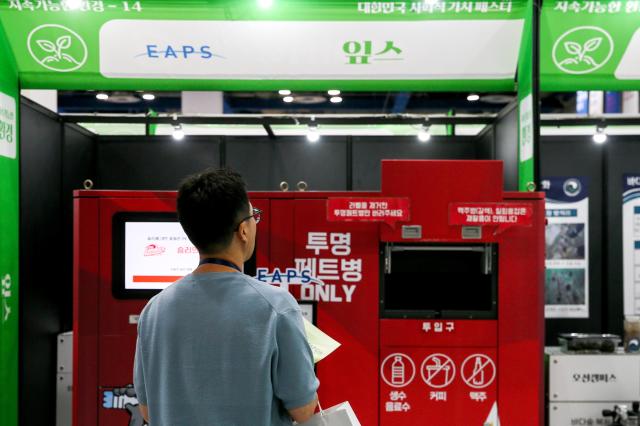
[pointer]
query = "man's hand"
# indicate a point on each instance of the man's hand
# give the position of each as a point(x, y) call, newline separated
point(137, 416)
point(304, 413)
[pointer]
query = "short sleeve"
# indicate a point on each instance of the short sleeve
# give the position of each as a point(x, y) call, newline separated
point(294, 380)
point(138, 374)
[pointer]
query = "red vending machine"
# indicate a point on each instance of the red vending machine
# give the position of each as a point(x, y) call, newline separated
point(433, 286)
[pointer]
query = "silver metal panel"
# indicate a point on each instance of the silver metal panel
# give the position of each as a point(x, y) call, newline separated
point(580, 413)
point(471, 232)
point(411, 232)
point(65, 352)
point(63, 399)
point(593, 378)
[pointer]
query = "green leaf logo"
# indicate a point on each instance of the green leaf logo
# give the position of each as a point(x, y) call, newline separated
point(582, 50)
point(57, 48)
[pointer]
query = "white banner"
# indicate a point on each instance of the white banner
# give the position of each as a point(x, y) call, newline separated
point(631, 243)
point(8, 124)
point(567, 248)
point(315, 50)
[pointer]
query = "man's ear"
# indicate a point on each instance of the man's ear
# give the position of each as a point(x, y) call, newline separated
point(243, 231)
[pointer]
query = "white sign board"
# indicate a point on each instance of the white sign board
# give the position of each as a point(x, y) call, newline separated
point(595, 378)
point(310, 50)
point(156, 255)
point(8, 124)
point(567, 248)
point(631, 243)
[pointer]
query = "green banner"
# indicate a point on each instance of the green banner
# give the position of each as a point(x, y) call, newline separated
point(590, 45)
point(526, 105)
point(241, 45)
point(9, 221)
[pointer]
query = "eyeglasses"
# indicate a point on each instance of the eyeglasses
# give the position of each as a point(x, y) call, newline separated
point(257, 215)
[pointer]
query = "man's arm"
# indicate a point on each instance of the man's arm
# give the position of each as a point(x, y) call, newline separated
point(144, 410)
point(294, 381)
point(304, 413)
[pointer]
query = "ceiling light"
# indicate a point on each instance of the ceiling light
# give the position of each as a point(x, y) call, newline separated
point(333, 92)
point(284, 92)
point(336, 100)
point(148, 96)
point(424, 135)
point(288, 99)
point(312, 132)
point(600, 136)
point(178, 133)
point(102, 96)
point(473, 97)
point(265, 4)
point(72, 4)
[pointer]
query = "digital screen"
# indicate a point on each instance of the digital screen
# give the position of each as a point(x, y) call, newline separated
point(156, 254)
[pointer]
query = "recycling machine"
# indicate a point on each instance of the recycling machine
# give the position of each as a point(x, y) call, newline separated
point(433, 286)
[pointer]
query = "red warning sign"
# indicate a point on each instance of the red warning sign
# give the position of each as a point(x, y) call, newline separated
point(438, 371)
point(478, 371)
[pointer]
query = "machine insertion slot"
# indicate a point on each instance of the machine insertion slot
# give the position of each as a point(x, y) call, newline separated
point(439, 281)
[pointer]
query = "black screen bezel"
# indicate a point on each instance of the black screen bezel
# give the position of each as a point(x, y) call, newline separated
point(118, 251)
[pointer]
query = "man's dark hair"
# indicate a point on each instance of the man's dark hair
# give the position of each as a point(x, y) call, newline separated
point(210, 206)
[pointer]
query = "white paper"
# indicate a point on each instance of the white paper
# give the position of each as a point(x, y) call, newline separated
point(338, 415)
point(321, 343)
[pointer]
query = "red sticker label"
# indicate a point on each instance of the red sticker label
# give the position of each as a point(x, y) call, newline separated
point(502, 215)
point(388, 210)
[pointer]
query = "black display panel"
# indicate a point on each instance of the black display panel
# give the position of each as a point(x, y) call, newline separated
point(437, 281)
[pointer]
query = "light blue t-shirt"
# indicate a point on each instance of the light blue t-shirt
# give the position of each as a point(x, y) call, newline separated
point(222, 349)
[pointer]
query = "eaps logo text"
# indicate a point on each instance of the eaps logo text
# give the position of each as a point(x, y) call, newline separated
point(179, 52)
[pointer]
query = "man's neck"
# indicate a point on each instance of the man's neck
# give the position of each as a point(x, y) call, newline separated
point(209, 267)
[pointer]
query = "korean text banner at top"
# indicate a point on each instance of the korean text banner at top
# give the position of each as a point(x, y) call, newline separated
point(265, 45)
point(590, 45)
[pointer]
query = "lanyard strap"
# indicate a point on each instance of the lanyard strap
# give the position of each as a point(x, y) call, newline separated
point(222, 262)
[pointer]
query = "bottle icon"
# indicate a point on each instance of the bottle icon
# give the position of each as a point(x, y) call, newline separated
point(478, 372)
point(397, 371)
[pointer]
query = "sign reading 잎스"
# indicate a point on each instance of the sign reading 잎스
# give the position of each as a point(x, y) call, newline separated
point(320, 50)
point(8, 125)
point(388, 210)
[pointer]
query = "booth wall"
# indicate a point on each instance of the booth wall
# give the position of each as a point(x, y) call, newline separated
point(55, 159)
point(621, 156)
point(9, 234)
point(506, 145)
point(368, 152)
point(336, 163)
point(604, 166)
point(265, 163)
point(153, 163)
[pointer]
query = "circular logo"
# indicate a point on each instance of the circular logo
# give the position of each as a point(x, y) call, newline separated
point(57, 48)
point(397, 370)
point(582, 50)
point(438, 371)
point(572, 187)
point(478, 371)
